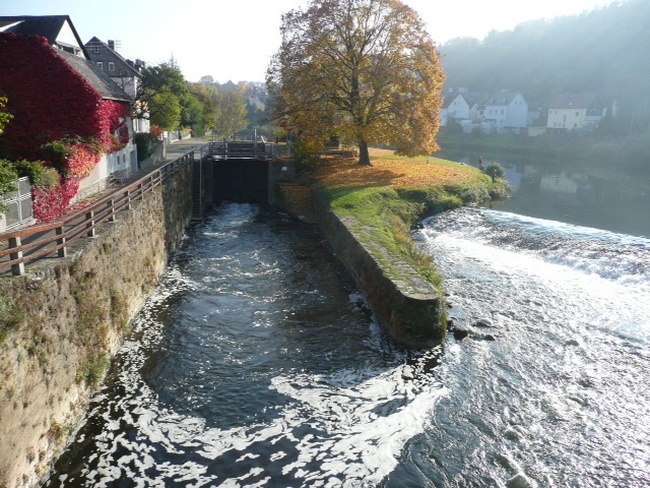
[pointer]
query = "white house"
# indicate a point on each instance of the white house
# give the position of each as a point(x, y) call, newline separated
point(457, 108)
point(62, 36)
point(506, 110)
point(574, 111)
point(463, 107)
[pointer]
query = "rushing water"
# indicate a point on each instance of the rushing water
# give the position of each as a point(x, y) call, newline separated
point(256, 363)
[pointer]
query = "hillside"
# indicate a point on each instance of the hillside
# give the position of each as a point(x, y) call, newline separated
point(604, 51)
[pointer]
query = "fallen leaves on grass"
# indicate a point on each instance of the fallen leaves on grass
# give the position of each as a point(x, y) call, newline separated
point(390, 170)
point(387, 170)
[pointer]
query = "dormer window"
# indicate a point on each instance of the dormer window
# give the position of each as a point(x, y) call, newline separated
point(111, 66)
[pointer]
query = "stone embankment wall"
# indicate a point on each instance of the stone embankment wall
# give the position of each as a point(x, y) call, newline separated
point(406, 305)
point(61, 323)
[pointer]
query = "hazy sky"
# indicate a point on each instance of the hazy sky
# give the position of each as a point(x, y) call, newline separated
point(234, 40)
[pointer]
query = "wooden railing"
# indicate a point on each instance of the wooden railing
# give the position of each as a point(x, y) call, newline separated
point(52, 240)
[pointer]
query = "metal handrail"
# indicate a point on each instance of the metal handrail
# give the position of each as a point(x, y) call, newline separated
point(55, 237)
point(242, 149)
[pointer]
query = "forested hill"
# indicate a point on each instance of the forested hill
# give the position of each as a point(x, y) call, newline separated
point(605, 51)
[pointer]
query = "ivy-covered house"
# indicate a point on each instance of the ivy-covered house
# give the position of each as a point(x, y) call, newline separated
point(65, 112)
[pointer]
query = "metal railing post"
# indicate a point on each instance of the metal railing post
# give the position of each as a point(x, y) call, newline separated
point(19, 268)
point(112, 218)
point(62, 252)
point(90, 223)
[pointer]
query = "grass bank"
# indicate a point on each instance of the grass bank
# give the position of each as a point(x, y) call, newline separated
point(389, 197)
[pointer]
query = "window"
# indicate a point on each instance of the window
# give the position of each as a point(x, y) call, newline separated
point(100, 65)
point(111, 66)
point(96, 48)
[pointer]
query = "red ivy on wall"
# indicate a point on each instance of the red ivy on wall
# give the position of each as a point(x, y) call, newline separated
point(115, 134)
point(50, 101)
point(81, 162)
point(51, 202)
point(47, 97)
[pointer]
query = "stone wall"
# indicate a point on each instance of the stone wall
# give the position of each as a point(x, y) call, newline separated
point(406, 305)
point(62, 322)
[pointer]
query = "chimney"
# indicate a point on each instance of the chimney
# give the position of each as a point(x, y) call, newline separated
point(111, 45)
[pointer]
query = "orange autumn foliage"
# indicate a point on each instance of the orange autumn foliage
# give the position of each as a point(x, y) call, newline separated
point(387, 170)
point(397, 172)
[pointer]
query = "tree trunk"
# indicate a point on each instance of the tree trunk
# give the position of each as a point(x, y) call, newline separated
point(364, 155)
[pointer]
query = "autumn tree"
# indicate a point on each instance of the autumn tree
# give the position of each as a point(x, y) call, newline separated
point(232, 113)
point(364, 70)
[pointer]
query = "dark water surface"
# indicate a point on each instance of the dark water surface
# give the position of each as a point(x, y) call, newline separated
point(603, 198)
point(256, 363)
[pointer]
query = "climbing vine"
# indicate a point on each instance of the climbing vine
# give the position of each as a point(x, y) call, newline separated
point(59, 118)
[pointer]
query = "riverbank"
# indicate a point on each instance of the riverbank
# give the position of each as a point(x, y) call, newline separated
point(379, 205)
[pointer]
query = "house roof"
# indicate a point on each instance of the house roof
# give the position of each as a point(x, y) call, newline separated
point(572, 101)
point(447, 100)
point(477, 98)
point(105, 54)
point(48, 26)
point(100, 81)
point(502, 98)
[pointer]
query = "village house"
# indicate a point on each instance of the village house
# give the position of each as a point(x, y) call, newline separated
point(505, 111)
point(462, 107)
point(125, 73)
point(574, 112)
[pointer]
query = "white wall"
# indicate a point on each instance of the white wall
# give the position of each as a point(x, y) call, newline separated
point(98, 179)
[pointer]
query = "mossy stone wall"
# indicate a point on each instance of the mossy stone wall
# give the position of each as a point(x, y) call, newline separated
point(407, 306)
point(62, 322)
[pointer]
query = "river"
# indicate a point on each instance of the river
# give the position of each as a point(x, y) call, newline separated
point(257, 363)
point(600, 197)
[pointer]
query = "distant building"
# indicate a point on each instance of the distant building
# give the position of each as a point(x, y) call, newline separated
point(581, 111)
point(126, 73)
point(456, 108)
point(505, 111)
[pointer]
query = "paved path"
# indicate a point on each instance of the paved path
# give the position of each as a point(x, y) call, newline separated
point(177, 148)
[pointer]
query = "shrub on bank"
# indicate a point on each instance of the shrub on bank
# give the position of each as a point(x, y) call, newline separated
point(8, 177)
point(146, 144)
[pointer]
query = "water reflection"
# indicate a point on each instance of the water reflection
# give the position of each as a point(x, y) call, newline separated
point(593, 197)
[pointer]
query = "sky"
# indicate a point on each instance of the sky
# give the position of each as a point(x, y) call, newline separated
point(234, 40)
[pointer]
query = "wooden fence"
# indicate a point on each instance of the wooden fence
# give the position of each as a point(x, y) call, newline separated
point(52, 240)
